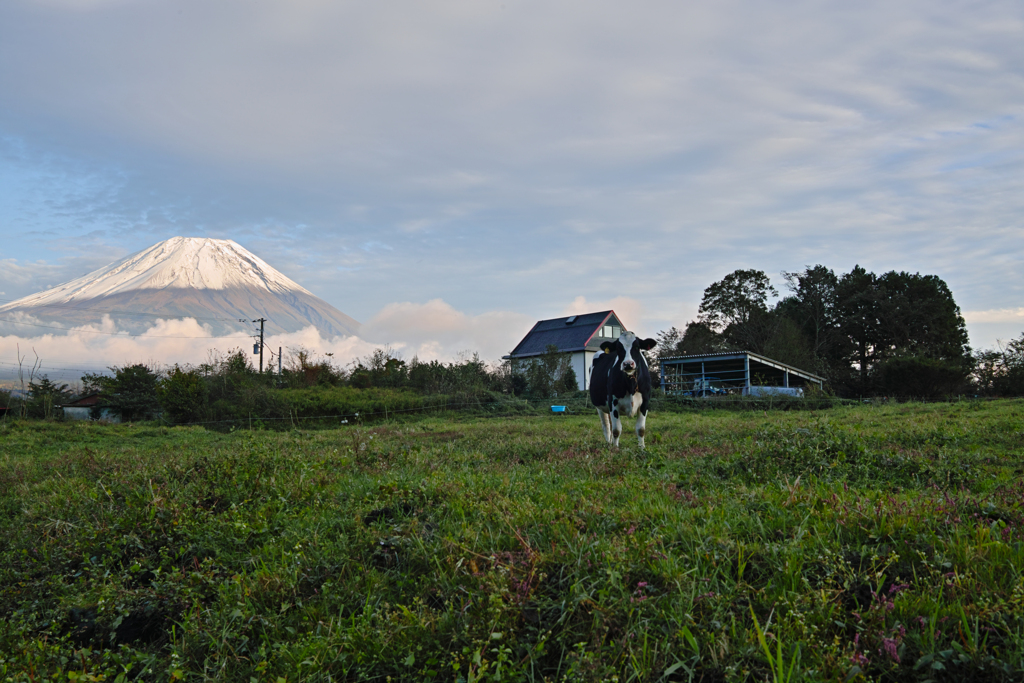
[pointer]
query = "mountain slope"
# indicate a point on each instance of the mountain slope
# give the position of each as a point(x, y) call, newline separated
point(215, 281)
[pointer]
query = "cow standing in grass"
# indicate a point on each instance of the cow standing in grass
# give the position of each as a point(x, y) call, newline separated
point(620, 384)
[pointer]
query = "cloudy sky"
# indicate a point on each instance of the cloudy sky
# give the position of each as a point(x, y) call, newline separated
point(497, 162)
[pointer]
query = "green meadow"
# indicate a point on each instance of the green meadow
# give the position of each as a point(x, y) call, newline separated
point(853, 543)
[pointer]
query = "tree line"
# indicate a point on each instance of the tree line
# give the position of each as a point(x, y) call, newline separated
point(896, 334)
point(230, 388)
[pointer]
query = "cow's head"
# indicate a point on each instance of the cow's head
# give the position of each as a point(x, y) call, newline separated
point(627, 351)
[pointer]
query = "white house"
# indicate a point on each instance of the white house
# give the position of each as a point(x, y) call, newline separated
point(580, 336)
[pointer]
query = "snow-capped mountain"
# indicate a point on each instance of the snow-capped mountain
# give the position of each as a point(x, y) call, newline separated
point(215, 281)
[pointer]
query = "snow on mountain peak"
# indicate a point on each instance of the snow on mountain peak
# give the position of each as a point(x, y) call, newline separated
point(177, 263)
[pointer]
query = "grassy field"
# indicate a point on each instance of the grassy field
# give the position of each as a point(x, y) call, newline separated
point(858, 543)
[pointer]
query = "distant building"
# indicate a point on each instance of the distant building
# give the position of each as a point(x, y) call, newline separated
point(88, 408)
point(734, 372)
point(579, 336)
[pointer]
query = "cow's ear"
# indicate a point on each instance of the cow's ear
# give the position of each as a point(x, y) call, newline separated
point(648, 344)
point(607, 347)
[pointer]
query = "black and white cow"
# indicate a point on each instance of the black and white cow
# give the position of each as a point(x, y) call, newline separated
point(620, 384)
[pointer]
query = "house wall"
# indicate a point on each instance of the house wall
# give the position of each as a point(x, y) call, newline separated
point(86, 414)
point(581, 364)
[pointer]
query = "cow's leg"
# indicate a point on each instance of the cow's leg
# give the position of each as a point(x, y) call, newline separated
point(641, 427)
point(606, 425)
point(616, 425)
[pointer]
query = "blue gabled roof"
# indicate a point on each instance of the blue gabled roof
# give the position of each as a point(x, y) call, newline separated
point(578, 335)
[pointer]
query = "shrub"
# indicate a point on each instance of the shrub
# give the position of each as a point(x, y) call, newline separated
point(183, 395)
point(920, 377)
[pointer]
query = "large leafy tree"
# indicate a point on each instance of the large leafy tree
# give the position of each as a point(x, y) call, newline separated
point(735, 300)
point(133, 392)
point(736, 309)
point(812, 306)
point(858, 305)
point(902, 316)
point(920, 318)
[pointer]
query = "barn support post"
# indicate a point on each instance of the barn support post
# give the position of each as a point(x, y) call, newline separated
point(746, 372)
point(785, 378)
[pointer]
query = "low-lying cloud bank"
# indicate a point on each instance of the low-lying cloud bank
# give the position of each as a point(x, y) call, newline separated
point(996, 315)
point(430, 331)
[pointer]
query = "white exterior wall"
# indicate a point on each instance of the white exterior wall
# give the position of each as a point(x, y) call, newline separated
point(581, 362)
point(86, 414)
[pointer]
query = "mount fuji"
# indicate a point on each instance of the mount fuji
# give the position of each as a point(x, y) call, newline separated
point(217, 282)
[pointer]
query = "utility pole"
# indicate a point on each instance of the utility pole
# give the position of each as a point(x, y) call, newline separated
point(261, 321)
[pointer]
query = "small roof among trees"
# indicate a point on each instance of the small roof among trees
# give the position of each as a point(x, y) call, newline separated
point(572, 333)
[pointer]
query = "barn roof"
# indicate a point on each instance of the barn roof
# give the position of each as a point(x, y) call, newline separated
point(732, 367)
point(87, 401)
point(572, 333)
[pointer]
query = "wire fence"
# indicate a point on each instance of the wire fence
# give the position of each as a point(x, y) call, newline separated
point(578, 405)
point(543, 408)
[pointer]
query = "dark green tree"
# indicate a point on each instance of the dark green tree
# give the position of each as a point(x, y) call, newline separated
point(95, 383)
point(859, 302)
point(546, 374)
point(901, 316)
point(133, 392)
point(568, 382)
point(668, 342)
point(784, 341)
point(735, 299)
point(699, 338)
point(920, 318)
point(183, 395)
point(737, 309)
point(813, 307)
point(44, 396)
point(1000, 372)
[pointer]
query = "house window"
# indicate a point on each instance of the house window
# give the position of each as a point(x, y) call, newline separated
point(607, 331)
point(616, 332)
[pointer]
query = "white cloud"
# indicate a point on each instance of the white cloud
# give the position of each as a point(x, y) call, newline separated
point(998, 315)
point(437, 331)
point(430, 331)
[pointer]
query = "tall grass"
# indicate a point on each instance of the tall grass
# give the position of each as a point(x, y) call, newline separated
point(856, 543)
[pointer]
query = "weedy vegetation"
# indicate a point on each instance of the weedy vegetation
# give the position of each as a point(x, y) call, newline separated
point(854, 543)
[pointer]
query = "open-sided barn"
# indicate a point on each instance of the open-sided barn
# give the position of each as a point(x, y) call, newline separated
point(733, 372)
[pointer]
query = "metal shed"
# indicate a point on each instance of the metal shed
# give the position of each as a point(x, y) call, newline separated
point(731, 372)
